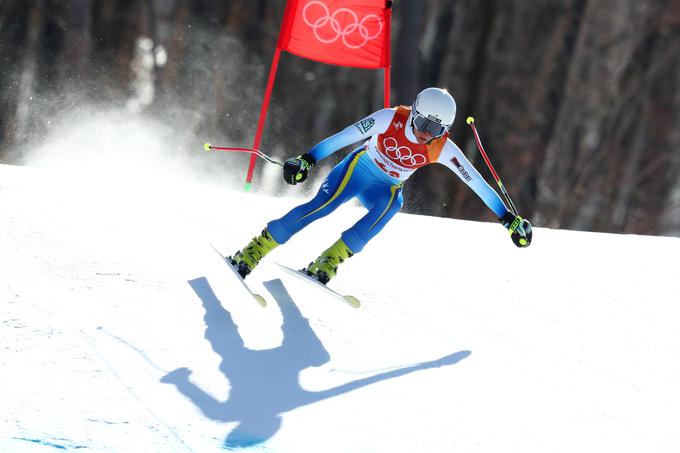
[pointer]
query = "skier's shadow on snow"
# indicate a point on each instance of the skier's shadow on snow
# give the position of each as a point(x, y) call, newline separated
point(265, 384)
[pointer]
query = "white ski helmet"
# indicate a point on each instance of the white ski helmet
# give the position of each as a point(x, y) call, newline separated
point(433, 111)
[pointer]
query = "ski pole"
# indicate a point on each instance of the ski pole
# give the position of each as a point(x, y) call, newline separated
point(257, 152)
point(471, 122)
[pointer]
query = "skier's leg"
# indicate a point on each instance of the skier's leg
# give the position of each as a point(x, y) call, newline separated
point(383, 202)
point(342, 184)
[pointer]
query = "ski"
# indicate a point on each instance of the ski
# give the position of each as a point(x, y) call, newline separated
point(259, 299)
point(351, 300)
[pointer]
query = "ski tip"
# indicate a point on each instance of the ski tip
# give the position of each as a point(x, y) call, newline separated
point(260, 300)
point(353, 301)
point(248, 186)
point(207, 147)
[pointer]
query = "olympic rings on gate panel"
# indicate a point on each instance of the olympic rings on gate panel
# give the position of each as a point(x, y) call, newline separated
point(402, 154)
point(338, 32)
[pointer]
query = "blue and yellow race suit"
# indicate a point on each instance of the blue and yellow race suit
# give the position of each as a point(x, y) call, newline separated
point(375, 173)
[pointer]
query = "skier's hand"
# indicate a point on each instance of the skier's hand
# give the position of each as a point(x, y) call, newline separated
point(295, 169)
point(519, 228)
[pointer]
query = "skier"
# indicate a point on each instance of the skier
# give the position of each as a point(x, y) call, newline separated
point(397, 141)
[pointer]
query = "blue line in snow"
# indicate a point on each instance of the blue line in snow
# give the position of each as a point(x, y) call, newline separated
point(50, 444)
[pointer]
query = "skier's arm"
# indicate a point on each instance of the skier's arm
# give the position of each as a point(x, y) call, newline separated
point(295, 169)
point(455, 160)
point(520, 229)
point(375, 123)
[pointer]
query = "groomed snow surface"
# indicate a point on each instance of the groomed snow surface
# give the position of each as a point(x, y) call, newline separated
point(121, 330)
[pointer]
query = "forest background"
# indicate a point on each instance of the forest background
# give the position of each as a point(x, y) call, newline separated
point(577, 101)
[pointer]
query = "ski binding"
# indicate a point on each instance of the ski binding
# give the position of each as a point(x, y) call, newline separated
point(259, 299)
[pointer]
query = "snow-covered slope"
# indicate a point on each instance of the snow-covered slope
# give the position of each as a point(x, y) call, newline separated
point(122, 331)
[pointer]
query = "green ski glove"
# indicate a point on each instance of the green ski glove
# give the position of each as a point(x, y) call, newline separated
point(519, 228)
point(295, 169)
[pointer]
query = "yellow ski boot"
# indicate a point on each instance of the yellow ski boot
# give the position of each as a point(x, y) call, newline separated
point(247, 259)
point(326, 266)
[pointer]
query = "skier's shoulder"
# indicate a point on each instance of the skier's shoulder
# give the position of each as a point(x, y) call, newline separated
point(402, 110)
point(449, 152)
point(376, 122)
point(387, 112)
point(449, 147)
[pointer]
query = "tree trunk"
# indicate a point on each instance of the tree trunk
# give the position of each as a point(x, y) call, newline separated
point(604, 122)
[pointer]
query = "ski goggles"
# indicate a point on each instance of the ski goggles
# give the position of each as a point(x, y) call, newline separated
point(424, 124)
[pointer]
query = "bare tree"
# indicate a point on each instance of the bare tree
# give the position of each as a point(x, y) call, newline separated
point(577, 101)
point(602, 131)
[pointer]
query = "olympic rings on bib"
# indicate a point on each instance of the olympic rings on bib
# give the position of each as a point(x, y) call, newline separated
point(402, 154)
point(355, 26)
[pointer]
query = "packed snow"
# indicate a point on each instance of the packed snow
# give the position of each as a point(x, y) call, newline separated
point(123, 331)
